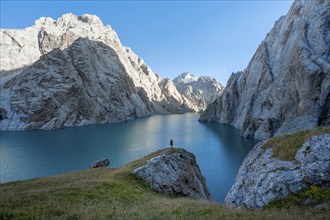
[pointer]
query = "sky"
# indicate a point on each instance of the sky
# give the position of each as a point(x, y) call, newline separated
point(213, 38)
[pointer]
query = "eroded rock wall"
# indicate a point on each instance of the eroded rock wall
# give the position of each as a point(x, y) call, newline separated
point(286, 85)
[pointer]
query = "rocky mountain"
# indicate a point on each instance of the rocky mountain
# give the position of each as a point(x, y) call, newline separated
point(174, 96)
point(74, 71)
point(200, 91)
point(286, 85)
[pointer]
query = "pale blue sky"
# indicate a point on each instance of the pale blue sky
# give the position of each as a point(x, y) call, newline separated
point(202, 37)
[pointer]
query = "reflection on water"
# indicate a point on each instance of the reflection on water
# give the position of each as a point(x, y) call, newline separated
point(219, 149)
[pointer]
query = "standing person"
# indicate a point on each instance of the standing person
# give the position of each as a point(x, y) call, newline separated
point(171, 143)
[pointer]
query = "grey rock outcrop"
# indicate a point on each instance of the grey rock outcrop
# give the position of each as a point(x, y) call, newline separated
point(175, 173)
point(286, 85)
point(200, 91)
point(314, 158)
point(263, 178)
point(74, 71)
point(100, 163)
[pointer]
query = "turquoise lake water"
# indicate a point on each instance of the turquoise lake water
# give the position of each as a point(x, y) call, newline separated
point(219, 149)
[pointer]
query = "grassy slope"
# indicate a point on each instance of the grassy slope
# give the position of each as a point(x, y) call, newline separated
point(285, 147)
point(116, 193)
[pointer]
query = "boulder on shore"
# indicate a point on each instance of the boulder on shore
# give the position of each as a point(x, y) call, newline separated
point(175, 173)
point(100, 163)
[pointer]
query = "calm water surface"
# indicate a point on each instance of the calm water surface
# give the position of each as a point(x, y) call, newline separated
point(219, 149)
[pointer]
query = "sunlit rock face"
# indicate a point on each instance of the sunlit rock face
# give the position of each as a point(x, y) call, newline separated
point(286, 85)
point(200, 91)
point(174, 98)
point(74, 71)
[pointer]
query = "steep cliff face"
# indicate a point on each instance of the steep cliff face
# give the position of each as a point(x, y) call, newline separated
point(82, 84)
point(200, 91)
point(286, 85)
point(74, 71)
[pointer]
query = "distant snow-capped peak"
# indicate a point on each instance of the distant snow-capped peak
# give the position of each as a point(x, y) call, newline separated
point(185, 77)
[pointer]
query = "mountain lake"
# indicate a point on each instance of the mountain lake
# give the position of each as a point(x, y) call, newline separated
point(219, 149)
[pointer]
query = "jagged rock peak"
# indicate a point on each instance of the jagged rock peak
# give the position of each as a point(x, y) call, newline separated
point(26, 45)
point(200, 91)
point(69, 18)
point(286, 85)
point(185, 77)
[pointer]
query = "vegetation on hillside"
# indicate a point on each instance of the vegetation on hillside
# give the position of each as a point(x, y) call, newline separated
point(312, 196)
point(285, 147)
point(105, 193)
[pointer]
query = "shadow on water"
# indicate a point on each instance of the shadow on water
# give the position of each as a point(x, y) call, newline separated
point(232, 149)
point(230, 138)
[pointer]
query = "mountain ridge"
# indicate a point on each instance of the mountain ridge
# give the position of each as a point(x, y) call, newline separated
point(201, 90)
point(74, 71)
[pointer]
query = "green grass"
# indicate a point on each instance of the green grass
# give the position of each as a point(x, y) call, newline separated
point(105, 193)
point(285, 147)
point(314, 195)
